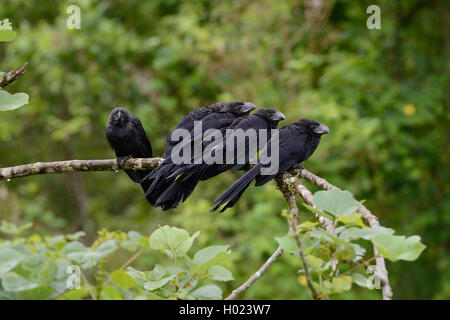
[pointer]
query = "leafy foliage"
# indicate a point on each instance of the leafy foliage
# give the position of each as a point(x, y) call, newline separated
point(338, 261)
point(383, 94)
point(39, 268)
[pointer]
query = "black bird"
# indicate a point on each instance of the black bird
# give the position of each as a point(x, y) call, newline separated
point(127, 137)
point(191, 174)
point(297, 142)
point(216, 116)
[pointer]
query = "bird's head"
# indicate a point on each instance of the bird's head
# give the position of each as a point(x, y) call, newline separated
point(270, 115)
point(312, 127)
point(119, 116)
point(239, 108)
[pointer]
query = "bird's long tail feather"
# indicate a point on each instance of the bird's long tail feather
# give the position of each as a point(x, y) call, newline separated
point(234, 192)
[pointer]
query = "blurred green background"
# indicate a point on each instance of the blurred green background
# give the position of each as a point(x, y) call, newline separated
point(383, 93)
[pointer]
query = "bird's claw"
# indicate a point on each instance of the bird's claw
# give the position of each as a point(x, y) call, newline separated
point(121, 161)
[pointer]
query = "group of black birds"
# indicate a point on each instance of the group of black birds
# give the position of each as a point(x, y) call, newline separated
point(171, 182)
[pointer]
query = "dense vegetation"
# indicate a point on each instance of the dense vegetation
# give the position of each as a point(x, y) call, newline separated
point(383, 93)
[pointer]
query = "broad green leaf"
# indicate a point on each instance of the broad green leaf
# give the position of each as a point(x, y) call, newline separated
point(288, 244)
point(315, 262)
point(122, 279)
point(39, 293)
point(398, 247)
point(208, 253)
point(106, 248)
point(186, 245)
point(14, 282)
point(352, 219)
point(34, 263)
point(10, 101)
point(360, 279)
point(76, 236)
point(74, 246)
point(307, 225)
point(9, 259)
point(85, 259)
point(220, 273)
point(170, 238)
point(153, 285)
point(208, 264)
point(12, 229)
point(336, 202)
point(111, 293)
point(7, 35)
point(342, 283)
point(76, 294)
point(352, 233)
point(138, 276)
point(319, 212)
point(157, 273)
point(207, 292)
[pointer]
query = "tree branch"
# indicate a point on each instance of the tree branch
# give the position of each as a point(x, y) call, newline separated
point(288, 179)
point(76, 165)
point(11, 76)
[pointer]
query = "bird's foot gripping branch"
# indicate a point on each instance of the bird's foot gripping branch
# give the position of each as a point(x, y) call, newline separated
point(330, 246)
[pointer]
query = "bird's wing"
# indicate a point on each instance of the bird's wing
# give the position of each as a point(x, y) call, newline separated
point(144, 146)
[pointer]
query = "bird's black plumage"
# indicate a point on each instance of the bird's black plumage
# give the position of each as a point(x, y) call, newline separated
point(216, 116)
point(127, 138)
point(189, 175)
point(297, 142)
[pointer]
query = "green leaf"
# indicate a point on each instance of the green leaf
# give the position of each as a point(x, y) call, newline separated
point(186, 245)
point(207, 292)
point(208, 253)
point(288, 244)
point(153, 285)
point(398, 247)
point(9, 259)
point(76, 294)
point(157, 273)
point(352, 219)
point(319, 212)
point(7, 35)
point(122, 279)
point(208, 264)
point(111, 293)
point(10, 101)
point(336, 202)
point(342, 283)
point(76, 236)
point(173, 239)
point(39, 293)
point(360, 279)
point(138, 276)
point(220, 273)
point(316, 263)
point(14, 282)
point(106, 248)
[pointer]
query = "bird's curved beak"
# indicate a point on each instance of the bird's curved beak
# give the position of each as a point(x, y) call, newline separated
point(322, 129)
point(247, 107)
point(278, 116)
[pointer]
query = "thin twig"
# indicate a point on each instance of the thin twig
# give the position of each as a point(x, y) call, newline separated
point(11, 76)
point(256, 275)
